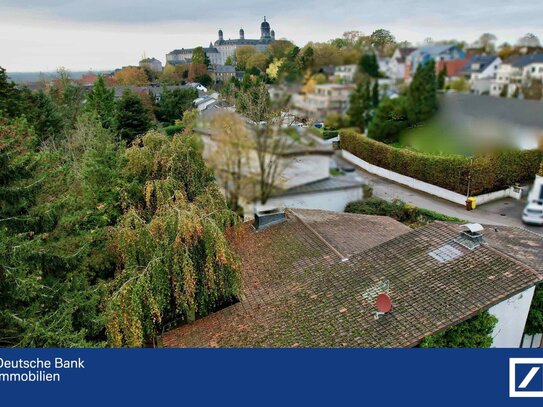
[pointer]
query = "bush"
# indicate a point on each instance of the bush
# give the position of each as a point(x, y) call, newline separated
point(328, 134)
point(488, 173)
point(476, 332)
point(534, 323)
point(391, 118)
point(398, 210)
point(172, 130)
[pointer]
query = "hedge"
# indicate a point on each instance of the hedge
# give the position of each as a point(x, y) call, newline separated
point(328, 134)
point(174, 129)
point(489, 173)
point(399, 210)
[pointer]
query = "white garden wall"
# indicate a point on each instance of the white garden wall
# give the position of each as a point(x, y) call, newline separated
point(426, 187)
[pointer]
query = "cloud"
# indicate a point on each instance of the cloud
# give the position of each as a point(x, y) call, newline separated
point(43, 34)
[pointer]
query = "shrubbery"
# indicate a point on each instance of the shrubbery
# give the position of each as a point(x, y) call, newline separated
point(398, 210)
point(175, 129)
point(488, 173)
point(476, 332)
point(327, 134)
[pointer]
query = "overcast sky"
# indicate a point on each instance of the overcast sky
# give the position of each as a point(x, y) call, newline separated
point(41, 35)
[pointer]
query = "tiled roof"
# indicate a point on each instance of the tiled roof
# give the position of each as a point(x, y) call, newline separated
point(404, 53)
point(298, 292)
point(522, 60)
point(225, 69)
point(478, 63)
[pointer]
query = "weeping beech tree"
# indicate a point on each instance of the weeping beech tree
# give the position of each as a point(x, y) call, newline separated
point(173, 259)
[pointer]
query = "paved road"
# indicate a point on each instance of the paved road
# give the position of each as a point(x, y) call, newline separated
point(503, 212)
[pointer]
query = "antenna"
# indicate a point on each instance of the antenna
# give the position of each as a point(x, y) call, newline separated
point(384, 305)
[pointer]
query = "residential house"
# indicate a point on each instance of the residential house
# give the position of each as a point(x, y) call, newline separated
point(481, 70)
point(222, 73)
point(345, 73)
point(328, 97)
point(151, 63)
point(452, 67)
point(425, 54)
point(515, 73)
point(303, 177)
point(312, 278)
point(396, 65)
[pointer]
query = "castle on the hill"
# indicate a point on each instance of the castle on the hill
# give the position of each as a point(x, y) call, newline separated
point(221, 49)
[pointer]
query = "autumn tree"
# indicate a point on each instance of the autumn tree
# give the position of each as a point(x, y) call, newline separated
point(174, 260)
point(268, 140)
point(196, 71)
point(487, 42)
point(280, 48)
point(174, 74)
point(231, 156)
point(383, 41)
point(200, 57)
point(243, 54)
point(131, 76)
point(326, 55)
point(258, 60)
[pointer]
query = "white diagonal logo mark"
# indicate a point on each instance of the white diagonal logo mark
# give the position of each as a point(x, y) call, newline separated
point(533, 371)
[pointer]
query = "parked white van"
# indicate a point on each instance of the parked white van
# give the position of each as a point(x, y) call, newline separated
point(533, 212)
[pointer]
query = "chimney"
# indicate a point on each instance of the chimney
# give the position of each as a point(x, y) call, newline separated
point(263, 219)
point(471, 236)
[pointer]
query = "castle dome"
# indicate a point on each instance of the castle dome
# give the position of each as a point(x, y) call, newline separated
point(265, 24)
point(265, 30)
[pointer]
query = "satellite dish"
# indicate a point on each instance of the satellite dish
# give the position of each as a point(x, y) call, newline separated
point(384, 303)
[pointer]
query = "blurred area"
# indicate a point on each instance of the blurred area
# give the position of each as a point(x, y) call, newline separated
point(470, 124)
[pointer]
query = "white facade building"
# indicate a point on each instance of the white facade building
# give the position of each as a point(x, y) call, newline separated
point(511, 314)
point(346, 73)
point(516, 72)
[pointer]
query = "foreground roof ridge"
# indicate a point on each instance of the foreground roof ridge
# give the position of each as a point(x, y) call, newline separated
point(318, 235)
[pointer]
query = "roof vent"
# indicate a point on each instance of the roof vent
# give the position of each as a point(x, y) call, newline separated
point(263, 219)
point(472, 236)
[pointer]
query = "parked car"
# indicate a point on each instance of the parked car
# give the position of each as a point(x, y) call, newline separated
point(533, 214)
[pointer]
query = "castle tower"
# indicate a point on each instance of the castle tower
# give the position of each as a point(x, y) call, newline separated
point(241, 34)
point(220, 35)
point(273, 35)
point(265, 30)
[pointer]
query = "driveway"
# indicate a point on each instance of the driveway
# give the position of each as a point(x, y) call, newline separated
point(505, 212)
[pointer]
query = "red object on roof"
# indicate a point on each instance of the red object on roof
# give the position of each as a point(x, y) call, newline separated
point(384, 303)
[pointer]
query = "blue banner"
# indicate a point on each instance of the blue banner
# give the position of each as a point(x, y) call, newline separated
point(220, 377)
